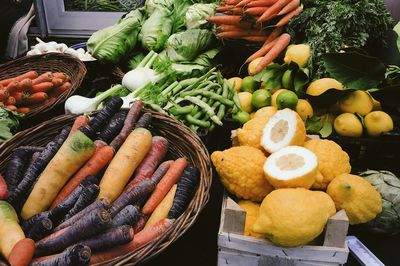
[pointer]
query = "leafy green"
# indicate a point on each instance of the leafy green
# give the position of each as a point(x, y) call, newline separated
point(185, 46)
point(8, 123)
point(397, 30)
point(315, 125)
point(197, 15)
point(136, 59)
point(156, 29)
point(152, 5)
point(112, 43)
point(180, 9)
point(330, 25)
point(354, 70)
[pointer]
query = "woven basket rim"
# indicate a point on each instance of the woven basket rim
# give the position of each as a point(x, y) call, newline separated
point(42, 63)
point(180, 225)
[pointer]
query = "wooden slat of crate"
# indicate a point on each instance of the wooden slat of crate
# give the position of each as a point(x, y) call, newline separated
point(235, 247)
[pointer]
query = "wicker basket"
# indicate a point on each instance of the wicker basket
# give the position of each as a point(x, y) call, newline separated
point(54, 62)
point(182, 142)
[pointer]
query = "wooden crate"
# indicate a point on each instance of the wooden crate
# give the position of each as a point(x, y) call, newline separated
point(235, 249)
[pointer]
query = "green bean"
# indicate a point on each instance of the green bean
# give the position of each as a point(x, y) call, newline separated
point(169, 88)
point(225, 92)
point(197, 122)
point(218, 98)
point(201, 79)
point(221, 111)
point(157, 108)
point(206, 107)
point(178, 110)
point(186, 82)
point(193, 127)
point(212, 77)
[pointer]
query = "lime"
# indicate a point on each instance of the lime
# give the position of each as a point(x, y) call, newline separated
point(261, 98)
point(286, 99)
point(287, 79)
point(241, 116)
point(274, 96)
point(249, 84)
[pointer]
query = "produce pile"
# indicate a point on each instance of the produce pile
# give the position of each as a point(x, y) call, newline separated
point(98, 190)
point(298, 180)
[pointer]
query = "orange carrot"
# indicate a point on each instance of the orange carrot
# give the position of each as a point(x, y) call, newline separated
point(80, 121)
point(238, 34)
point(23, 110)
point(45, 77)
point(19, 97)
point(11, 107)
point(223, 9)
point(25, 84)
point(10, 101)
point(165, 184)
point(60, 75)
point(13, 86)
point(140, 239)
point(36, 98)
point(228, 28)
point(228, 20)
point(273, 10)
point(285, 20)
point(235, 11)
point(281, 43)
point(261, 52)
point(27, 75)
point(259, 39)
point(22, 253)
point(42, 87)
point(243, 3)
point(4, 95)
point(292, 5)
point(57, 82)
point(256, 11)
point(61, 89)
point(3, 188)
point(98, 160)
point(230, 2)
point(274, 34)
point(261, 3)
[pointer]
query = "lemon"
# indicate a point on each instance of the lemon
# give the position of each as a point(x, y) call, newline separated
point(357, 102)
point(299, 53)
point(251, 69)
point(287, 79)
point(245, 101)
point(252, 210)
point(304, 109)
point(319, 86)
point(293, 217)
point(236, 82)
point(249, 84)
point(292, 166)
point(261, 98)
point(378, 122)
point(348, 125)
point(268, 111)
point(275, 95)
point(284, 128)
point(377, 105)
point(241, 117)
point(286, 99)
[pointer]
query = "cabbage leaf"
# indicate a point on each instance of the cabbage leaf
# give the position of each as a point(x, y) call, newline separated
point(197, 15)
point(152, 5)
point(112, 43)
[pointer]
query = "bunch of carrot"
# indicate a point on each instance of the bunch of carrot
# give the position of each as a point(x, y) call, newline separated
point(21, 92)
point(122, 196)
point(252, 20)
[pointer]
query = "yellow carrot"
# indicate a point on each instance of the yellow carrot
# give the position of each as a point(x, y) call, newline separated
point(124, 163)
point(162, 210)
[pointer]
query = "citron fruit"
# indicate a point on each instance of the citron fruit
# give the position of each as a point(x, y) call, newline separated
point(249, 84)
point(286, 99)
point(291, 167)
point(357, 102)
point(348, 125)
point(267, 111)
point(299, 53)
point(236, 82)
point(285, 128)
point(261, 98)
point(304, 109)
point(251, 69)
point(241, 172)
point(332, 161)
point(251, 132)
point(252, 209)
point(293, 217)
point(356, 196)
point(319, 86)
point(245, 101)
point(274, 96)
point(378, 122)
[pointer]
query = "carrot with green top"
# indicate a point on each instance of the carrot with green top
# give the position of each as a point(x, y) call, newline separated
point(165, 184)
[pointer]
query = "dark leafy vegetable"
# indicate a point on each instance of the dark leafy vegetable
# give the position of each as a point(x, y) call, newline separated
point(8, 123)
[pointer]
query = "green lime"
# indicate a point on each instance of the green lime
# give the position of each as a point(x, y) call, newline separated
point(261, 98)
point(287, 99)
point(287, 79)
point(241, 116)
point(249, 84)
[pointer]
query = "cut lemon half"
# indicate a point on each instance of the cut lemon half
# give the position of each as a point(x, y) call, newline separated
point(291, 167)
point(285, 128)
